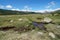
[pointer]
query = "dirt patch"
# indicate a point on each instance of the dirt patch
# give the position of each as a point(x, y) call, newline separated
point(7, 28)
point(23, 29)
point(39, 25)
point(19, 29)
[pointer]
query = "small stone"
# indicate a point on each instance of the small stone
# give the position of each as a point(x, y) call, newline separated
point(58, 26)
point(32, 30)
point(11, 21)
point(51, 34)
point(40, 33)
point(27, 25)
point(20, 19)
point(47, 19)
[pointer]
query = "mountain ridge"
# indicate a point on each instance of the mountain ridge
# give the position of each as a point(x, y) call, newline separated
point(11, 12)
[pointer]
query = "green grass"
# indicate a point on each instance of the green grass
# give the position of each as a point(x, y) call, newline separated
point(32, 35)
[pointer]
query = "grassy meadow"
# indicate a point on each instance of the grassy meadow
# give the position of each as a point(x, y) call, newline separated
point(33, 34)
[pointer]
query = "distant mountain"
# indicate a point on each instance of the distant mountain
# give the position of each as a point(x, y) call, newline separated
point(10, 12)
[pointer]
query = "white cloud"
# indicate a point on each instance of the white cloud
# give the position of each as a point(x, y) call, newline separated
point(50, 4)
point(8, 6)
point(42, 11)
point(29, 9)
point(47, 10)
point(26, 8)
point(1, 6)
point(16, 9)
point(57, 9)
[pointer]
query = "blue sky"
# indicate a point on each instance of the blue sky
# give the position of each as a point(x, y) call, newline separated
point(30, 5)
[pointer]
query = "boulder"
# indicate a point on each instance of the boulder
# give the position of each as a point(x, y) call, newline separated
point(47, 19)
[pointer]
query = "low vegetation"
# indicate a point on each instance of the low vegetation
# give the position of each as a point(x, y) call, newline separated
point(29, 26)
